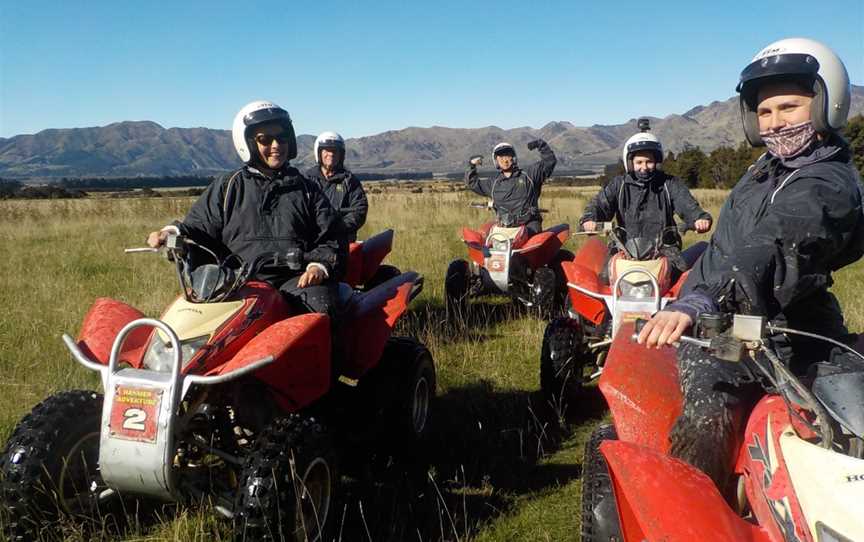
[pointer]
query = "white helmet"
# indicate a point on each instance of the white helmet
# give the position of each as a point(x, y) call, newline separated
point(643, 141)
point(329, 140)
point(254, 114)
point(502, 148)
point(804, 59)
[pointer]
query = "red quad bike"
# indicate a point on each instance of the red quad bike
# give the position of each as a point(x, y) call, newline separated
point(507, 261)
point(639, 284)
point(229, 397)
point(800, 464)
point(364, 262)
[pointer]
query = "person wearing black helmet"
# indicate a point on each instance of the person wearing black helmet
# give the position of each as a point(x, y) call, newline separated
point(791, 221)
point(341, 187)
point(515, 192)
point(268, 207)
point(645, 200)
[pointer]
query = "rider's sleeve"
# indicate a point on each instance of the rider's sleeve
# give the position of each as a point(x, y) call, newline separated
point(811, 229)
point(327, 248)
point(355, 216)
point(205, 219)
point(477, 184)
point(602, 206)
point(541, 170)
point(685, 204)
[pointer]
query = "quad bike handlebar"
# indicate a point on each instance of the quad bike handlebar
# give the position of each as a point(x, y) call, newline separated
point(216, 281)
point(749, 336)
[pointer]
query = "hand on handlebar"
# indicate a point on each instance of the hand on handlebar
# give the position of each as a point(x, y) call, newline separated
point(589, 225)
point(664, 328)
point(157, 239)
point(702, 225)
point(313, 276)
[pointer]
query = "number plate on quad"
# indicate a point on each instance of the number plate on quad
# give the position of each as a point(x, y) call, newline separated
point(497, 263)
point(134, 413)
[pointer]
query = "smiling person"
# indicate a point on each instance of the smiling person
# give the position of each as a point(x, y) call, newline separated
point(515, 192)
point(792, 220)
point(267, 206)
point(341, 187)
point(645, 200)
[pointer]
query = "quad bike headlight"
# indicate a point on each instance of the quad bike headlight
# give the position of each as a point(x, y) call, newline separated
point(639, 290)
point(160, 355)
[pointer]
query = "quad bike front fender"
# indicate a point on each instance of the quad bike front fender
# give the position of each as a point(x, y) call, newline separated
point(580, 280)
point(300, 347)
point(370, 320)
point(475, 241)
point(641, 387)
point(662, 498)
point(101, 325)
point(365, 257)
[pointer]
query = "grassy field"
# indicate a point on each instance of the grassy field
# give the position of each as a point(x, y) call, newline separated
point(501, 471)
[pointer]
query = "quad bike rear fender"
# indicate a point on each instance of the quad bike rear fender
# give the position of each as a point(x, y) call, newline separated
point(365, 257)
point(662, 498)
point(641, 387)
point(369, 322)
point(300, 348)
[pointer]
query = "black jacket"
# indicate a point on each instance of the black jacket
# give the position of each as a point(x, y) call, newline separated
point(248, 214)
point(516, 198)
point(644, 209)
point(783, 230)
point(347, 197)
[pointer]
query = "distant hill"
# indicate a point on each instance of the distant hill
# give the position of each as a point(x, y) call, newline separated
point(146, 148)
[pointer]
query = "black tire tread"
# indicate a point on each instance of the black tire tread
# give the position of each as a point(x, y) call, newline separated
point(596, 487)
point(257, 513)
point(456, 291)
point(37, 441)
point(562, 358)
point(405, 355)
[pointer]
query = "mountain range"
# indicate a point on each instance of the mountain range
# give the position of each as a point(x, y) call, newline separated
point(133, 148)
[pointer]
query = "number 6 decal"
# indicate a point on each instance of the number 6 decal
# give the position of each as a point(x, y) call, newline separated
point(134, 419)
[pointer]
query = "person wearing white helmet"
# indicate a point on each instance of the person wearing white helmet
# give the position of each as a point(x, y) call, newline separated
point(341, 187)
point(791, 221)
point(267, 207)
point(645, 200)
point(515, 192)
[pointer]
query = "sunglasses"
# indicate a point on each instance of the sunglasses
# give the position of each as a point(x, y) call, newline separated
point(266, 139)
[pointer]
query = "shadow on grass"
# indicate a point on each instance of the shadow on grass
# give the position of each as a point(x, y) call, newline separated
point(430, 318)
point(482, 454)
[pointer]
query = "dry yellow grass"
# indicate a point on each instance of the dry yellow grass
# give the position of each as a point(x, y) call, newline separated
point(60, 255)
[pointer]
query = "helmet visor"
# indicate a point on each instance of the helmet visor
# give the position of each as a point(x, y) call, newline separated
point(637, 146)
point(801, 65)
point(269, 114)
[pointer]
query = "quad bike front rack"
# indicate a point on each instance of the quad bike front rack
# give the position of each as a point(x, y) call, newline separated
point(136, 444)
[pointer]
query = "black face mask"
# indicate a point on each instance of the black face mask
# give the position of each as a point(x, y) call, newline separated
point(644, 176)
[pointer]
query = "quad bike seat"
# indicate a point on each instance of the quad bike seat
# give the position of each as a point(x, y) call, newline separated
point(517, 236)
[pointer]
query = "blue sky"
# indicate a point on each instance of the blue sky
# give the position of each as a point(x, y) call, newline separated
point(364, 67)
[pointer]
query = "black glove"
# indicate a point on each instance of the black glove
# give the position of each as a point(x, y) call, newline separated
point(536, 144)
